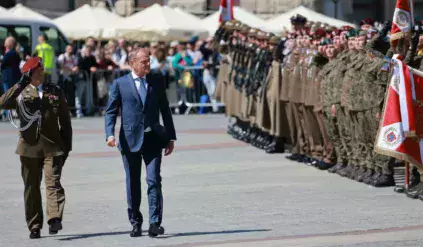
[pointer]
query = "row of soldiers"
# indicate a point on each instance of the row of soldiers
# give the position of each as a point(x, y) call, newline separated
point(319, 90)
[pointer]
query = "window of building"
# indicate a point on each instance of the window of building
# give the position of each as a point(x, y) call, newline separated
point(55, 39)
point(22, 35)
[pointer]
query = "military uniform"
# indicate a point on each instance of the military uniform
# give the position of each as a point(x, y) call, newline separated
point(44, 142)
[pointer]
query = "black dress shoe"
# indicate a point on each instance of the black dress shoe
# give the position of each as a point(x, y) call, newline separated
point(337, 167)
point(136, 231)
point(324, 166)
point(161, 230)
point(293, 157)
point(55, 225)
point(35, 233)
point(154, 230)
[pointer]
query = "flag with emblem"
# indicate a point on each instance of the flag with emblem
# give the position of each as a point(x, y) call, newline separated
point(226, 10)
point(401, 125)
point(403, 20)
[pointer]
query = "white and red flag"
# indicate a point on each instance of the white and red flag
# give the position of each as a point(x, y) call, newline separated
point(226, 10)
point(401, 126)
point(403, 20)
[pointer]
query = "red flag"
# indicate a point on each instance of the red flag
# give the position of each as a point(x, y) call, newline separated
point(226, 10)
point(401, 128)
point(403, 20)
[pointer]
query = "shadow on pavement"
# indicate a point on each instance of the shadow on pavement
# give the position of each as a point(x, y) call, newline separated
point(184, 234)
point(188, 234)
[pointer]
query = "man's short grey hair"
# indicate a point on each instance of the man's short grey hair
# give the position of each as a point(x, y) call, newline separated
point(133, 54)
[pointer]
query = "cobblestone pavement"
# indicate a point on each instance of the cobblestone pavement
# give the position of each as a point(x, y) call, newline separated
point(218, 192)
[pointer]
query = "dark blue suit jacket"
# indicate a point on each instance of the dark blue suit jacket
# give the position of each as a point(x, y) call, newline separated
point(10, 72)
point(135, 116)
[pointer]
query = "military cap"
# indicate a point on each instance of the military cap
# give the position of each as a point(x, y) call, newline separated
point(298, 19)
point(229, 25)
point(32, 64)
point(351, 33)
point(245, 29)
point(284, 34)
point(252, 32)
point(368, 21)
point(313, 29)
point(347, 28)
point(362, 33)
point(319, 33)
point(264, 35)
point(274, 40)
point(238, 26)
point(329, 29)
point(336, 32)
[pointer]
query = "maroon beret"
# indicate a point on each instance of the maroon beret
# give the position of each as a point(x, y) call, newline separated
point(31, 64)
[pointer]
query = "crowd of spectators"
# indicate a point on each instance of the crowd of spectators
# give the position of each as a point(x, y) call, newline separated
point(79, 62)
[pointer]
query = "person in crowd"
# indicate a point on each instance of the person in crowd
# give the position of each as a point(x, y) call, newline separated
point(105, 61)
point(68, 63)
point(158, 64)
point(210, 63)
point(140, 96)
point(46, 52)
point(10, 72)
point(87, 64)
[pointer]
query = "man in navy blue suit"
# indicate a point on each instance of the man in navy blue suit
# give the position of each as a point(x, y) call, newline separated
point(141, 97)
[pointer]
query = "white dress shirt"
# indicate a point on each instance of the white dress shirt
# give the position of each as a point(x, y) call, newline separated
point(40, 90)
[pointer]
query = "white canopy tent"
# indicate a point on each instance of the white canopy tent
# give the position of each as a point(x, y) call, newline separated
point(187, 14)
point(281, 22)
point(211, 22)
point(157, 23)
point(86, 21)
point(25, 12)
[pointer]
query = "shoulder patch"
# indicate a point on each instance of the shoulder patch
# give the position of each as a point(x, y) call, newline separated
point(385, 67)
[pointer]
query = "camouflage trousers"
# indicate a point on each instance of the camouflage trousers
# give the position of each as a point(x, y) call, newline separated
point(332, 128)
point(376, 160)
point(328, 154)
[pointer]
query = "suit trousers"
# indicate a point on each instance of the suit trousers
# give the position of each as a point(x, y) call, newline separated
point(32, 173)
point(151, 153)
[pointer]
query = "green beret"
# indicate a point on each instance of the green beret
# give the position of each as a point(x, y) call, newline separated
point(351, 33)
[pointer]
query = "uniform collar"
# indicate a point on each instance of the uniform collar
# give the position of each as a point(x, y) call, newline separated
point(40, 87)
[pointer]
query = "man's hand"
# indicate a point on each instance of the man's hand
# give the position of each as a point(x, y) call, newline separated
point(169, 149)
point(93, 69)
point(111, 141)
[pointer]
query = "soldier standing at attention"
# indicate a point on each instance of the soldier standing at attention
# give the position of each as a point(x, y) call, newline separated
point(45, 140)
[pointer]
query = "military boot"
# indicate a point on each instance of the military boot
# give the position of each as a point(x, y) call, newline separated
point(362, 174)
point(376, 174)
point(384, 180)
point(415, 191)
point(293, 157)
point(354, 172)
point(345, 171)
point(337, 167)
point(367, 177)
point(277, 146)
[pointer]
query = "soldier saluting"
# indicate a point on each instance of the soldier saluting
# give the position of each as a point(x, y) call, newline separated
point(45, 140)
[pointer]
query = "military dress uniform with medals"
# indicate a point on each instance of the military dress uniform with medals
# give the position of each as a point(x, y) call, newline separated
point(45, 140)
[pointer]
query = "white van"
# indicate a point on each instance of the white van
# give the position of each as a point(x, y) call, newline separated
point(26, 32)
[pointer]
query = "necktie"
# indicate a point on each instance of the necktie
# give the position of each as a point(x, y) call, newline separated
point(143, 90)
